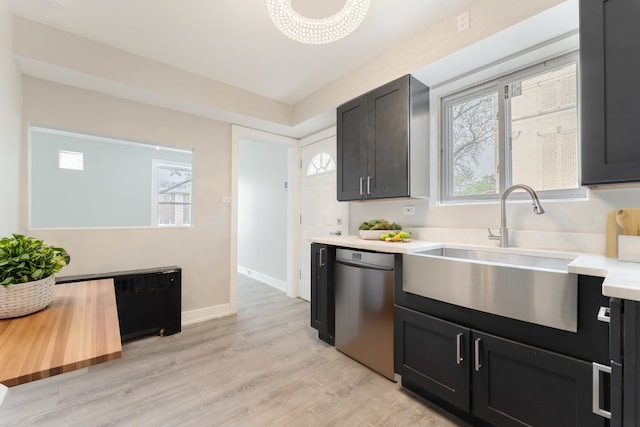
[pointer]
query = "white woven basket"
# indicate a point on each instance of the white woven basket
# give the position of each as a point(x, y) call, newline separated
point(25, 298)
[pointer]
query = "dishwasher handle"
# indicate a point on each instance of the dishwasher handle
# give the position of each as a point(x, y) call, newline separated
point(363, 265)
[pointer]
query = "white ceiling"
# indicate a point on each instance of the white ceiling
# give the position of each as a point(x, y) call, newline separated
point(234, 41)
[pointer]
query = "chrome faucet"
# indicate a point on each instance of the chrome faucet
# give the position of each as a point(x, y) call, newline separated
point(504, 232)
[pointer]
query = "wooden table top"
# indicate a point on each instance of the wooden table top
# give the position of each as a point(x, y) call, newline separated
point(80, 328)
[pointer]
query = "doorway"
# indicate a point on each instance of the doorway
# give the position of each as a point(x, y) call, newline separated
point(244, 136)
point(321, 213)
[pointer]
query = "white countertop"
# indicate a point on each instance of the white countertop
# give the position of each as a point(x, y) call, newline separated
point(376, 245)
point(621, 279)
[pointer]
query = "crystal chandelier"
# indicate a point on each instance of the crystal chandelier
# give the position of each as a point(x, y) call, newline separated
point(313, 30)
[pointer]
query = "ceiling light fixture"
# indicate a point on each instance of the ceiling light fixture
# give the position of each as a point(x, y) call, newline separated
point(317, 30)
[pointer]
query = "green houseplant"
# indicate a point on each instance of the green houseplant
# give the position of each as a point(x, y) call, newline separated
point(27, 266)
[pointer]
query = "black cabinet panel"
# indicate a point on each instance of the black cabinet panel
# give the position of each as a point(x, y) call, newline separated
point(433, 355)
point(383, 142)
point(610, 89)
point(519, 385)
point(322, 291)
point(388, 150)
point(631, 364)
point(352, 148)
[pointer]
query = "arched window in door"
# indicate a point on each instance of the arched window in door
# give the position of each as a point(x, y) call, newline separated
point(321, 163)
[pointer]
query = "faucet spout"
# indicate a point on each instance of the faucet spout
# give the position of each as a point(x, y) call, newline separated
point(537, 208)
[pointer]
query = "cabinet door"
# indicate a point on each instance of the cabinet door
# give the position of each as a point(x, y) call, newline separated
point(631, 364)
point(352, 149)
point(322, 291)
point(518, 385)
point(610, 90)
point(432, 356)
point(388, 136)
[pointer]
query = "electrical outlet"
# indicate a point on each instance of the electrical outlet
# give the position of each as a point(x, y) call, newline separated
point(463, 21)
point(408, 210)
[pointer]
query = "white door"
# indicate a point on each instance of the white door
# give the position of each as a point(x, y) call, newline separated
point(321, 213)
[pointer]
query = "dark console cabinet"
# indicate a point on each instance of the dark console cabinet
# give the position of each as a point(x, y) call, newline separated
point(609, 90)
point(149, 300)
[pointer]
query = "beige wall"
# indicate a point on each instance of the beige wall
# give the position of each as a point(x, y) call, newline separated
point(487, 18)
point(10, 112)
point(202, 250)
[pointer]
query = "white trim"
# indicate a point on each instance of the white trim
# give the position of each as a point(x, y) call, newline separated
point(152, 146)
point(207, 313)
point(278, 284)
point(319, 136)
point(3, 392)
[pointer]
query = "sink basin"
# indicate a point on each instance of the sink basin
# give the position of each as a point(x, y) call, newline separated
point(504, 257)
point(534, 288)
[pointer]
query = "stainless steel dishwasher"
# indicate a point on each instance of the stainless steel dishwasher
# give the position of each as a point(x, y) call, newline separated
point(364, 308)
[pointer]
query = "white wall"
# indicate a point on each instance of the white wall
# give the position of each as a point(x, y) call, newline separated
point(10, 126)
point(487, 18)
point(567, 225)
point(262, 209)
point(202, 250)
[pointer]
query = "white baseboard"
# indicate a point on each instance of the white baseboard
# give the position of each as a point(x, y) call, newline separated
point(267, 280)
point(207, 313)
point(3, 392)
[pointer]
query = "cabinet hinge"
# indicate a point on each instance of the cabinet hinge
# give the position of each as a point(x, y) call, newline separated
point(506, 92)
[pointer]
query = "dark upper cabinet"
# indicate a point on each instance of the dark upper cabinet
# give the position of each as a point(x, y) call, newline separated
point(383, 142)
point(610, 90)
point(322, 291)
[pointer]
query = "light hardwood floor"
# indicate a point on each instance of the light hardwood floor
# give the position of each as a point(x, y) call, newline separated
point(261, 367)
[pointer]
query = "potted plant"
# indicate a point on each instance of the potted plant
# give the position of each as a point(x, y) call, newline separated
point(27, 266)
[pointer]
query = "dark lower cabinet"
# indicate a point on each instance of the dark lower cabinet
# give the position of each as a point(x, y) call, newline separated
point(492, 380)
point(432, 355)
point(322, 291)
point(625, 363)
point(519, 385)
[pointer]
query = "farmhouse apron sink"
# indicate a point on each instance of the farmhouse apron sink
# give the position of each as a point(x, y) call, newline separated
point(534, 288)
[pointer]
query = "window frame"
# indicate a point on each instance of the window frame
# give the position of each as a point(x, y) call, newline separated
point(504, 166)
point(156, 164)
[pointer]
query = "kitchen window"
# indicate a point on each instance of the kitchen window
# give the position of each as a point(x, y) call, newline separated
point(517, 129)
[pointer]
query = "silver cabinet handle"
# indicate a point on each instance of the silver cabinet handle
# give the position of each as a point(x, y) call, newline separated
point(604, 314)
point(597, 369)
point(477, 365)
point(336, 233)
point(459, 358)
point(368, 185)
point(320, 255)
point(361, 186)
